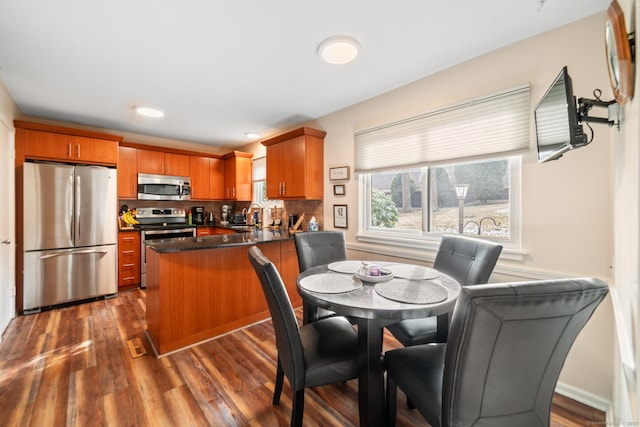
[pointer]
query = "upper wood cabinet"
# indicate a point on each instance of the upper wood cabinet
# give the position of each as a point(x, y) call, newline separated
point(161, 163)
point(295, 165)
point(237, 176)
point(207, 178)
point(199, 173)
point(216, 179)
point(46, 142)
point(127, 173)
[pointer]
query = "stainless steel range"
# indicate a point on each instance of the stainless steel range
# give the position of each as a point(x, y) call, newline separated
point(157, 224)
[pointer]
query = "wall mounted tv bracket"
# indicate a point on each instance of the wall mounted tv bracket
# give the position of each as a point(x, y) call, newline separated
point(585, 105)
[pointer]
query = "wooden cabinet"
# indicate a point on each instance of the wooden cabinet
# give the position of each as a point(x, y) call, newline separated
point(237, 176)
point(290, 270)
point(127, 173)
point(128, 259)
point(210, 291)
point(204, 231)
point(207, 178)
point(222, 230)
point(44, 142)
point(161, 163)
point(199, 173)
point(295, 165)
point(216, 179)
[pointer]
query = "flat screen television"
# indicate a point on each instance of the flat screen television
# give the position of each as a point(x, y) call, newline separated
point(558, 129)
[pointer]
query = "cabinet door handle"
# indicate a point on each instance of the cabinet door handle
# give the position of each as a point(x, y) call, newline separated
point(284, 188)
point(127, 252)
point(128, 265)
point(127, 238)
point(78, 150)
point(69, 148)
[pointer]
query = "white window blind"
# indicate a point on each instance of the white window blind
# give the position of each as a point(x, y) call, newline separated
point(259, 169)
point(495, 125)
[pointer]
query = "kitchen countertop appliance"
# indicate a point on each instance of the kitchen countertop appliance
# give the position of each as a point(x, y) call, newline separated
point(70, 233)
point(227, 214)
point(198, 215)
point(160, 224)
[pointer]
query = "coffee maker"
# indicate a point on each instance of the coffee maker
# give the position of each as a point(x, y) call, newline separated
point(198, 215)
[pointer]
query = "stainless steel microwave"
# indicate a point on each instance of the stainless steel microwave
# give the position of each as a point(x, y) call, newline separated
point(163, 187)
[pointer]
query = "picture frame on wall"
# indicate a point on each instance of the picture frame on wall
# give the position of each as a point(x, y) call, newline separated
point(340, 218)
point(339, 190)
point(338, 173)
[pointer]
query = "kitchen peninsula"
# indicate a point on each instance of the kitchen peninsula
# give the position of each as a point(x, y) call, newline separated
point(202, 287)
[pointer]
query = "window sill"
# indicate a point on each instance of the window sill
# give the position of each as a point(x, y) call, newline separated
point(416, 247)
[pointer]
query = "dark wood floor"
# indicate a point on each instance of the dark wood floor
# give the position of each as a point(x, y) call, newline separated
point(72, 366)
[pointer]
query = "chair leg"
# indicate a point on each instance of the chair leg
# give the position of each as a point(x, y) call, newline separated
point(279, 381)
point(298, 408)
point(309, 313)
point(392, 397)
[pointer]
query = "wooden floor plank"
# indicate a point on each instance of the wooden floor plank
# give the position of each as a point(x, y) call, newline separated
point(71, 366)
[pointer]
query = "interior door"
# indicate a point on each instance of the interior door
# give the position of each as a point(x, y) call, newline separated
point(7, 228)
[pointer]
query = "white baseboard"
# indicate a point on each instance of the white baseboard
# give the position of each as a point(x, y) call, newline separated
point(583, 397)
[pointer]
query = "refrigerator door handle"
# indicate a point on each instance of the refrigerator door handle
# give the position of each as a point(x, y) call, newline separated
point(70, 208)
point(87, 251)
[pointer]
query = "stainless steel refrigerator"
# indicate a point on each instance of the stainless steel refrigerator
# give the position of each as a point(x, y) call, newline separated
point(70, 233)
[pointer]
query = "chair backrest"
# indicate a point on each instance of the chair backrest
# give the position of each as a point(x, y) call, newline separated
point(507, 344)
point(283, 317)
point(468, 260)
point(319, 247)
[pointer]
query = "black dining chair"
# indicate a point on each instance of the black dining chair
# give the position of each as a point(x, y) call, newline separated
point(469, 261)
point(507, 344)
point(317, 248)
point(320, 353)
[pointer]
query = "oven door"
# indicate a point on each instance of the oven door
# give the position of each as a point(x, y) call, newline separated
point(148, 235)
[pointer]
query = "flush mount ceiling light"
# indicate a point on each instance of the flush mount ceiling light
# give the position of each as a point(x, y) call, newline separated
point(149, 112)
point(339, 49)
point(252, 135)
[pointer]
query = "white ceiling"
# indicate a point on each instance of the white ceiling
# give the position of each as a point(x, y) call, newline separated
point(219, 69)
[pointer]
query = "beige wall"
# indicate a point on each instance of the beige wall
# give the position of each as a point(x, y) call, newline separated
point(626, 202)
point(566, 205)
point(8, 108)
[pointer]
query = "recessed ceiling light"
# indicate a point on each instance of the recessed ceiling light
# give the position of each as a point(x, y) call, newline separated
point(149, 112)
point(339, 49)
point(252, 135)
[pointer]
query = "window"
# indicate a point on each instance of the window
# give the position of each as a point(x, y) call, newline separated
point(423, 201)
point(409, 171)
point(259, 170)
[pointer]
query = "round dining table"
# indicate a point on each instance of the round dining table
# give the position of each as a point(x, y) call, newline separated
point(408, 292)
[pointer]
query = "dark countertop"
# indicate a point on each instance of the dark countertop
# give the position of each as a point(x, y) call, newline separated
point(247, 238)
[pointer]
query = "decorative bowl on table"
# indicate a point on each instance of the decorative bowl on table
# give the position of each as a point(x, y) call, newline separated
point(365, 277)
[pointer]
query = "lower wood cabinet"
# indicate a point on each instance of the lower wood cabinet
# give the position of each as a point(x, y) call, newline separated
point(128, 259)
point(196, 295)
point(211, 231)
point(204, 231)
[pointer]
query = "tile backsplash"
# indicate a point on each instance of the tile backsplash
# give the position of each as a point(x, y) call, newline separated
point(310, 208)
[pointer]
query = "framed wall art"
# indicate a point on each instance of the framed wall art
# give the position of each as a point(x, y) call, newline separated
point(340, 216)
point(339, 190)
point(341, 172)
